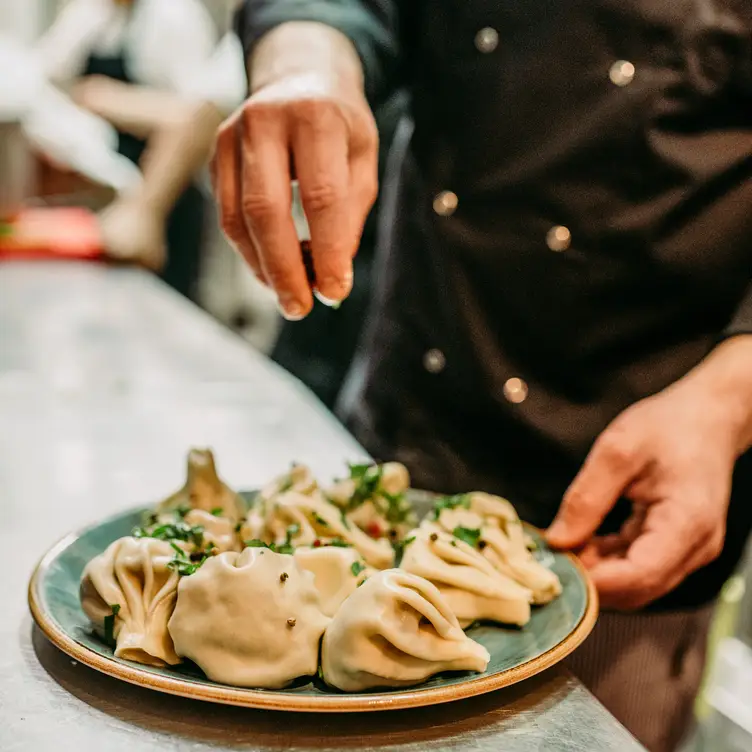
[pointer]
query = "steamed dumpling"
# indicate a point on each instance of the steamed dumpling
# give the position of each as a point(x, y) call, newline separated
point(266, 523)
point(252, 619)
point(504, 542)
point(205, 490)
point(128, 592)
point(218, 532)
point(302, 519)
point(395, 630)
point(469, 583)
point(373, 498)
point(337, 572)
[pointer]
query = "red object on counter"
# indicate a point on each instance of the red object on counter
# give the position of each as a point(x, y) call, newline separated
point(50, 233)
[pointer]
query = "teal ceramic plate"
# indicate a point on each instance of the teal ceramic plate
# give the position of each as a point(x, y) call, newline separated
point(553, 632)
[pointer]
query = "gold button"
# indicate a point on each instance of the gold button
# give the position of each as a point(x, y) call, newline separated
point(487, 40)
point(622, 72)
point(434, 361)
point(445, 203)
point(515, 390)
point(559, 238)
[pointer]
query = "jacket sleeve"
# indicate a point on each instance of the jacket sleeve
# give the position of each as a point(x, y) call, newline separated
point(741, 322)
point(371, 25)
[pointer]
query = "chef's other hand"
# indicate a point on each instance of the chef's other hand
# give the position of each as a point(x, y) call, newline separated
point(673, 456)
point(307, 116)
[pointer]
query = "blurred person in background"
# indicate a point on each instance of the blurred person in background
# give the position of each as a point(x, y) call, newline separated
point(164, 73)
point(566, 307)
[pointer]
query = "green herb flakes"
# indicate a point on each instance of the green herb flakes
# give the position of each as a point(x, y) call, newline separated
point(450, 502)
point(256, 543)
point(357, 567)
point(173, 531)
point(338, 543)
point(217, 511)
point(471, 536)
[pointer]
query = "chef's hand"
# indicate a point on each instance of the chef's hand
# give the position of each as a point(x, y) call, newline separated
point(307, 115)
point(672, 455)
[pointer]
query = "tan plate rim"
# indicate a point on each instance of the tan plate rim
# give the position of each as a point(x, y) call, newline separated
point(270, 700)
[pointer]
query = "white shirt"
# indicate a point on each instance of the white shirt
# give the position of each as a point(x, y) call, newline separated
point(173, 45)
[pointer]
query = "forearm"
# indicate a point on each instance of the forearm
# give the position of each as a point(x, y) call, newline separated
point(174, 153)
point(138, 110)
point(370, 25)
point(298, 47)
point(726, 376)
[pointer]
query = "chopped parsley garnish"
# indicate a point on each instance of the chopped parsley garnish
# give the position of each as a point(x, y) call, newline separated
point(217, 511)
point(400, 546)
point(109, 625)
point(471, 536)
point(320, 520)
point(450, 502)
point(398, 509)
point(367, 481)
point(345, 521)
point(185, 564)
point(357, 567)
point(281, 548)
point(173, 531)
point(182, 510)
point(339, 543)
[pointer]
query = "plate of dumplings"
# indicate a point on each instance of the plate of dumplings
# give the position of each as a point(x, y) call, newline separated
point(359, 595)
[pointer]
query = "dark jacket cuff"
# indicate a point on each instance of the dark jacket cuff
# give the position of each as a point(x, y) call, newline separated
point(375, 42)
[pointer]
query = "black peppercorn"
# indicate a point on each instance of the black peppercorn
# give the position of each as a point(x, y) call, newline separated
point(283, 576)
point(434, 537)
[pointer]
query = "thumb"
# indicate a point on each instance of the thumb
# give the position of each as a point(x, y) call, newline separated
point(608, 470)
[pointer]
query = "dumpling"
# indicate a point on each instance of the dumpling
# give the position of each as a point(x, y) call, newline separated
point(205, 490)
point(262, 522)
point(395, 630)
point(337, 572)
point(128, 592)
point(302, 519)
point(503, 542)
point(469, 583)
point(218, 532)
point(252, 619)
point(374, 499)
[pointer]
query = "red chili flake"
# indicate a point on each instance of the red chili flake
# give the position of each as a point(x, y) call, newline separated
point(374, 530)
point(316, 543)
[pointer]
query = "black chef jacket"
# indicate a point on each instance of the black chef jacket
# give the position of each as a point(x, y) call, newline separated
point(568, 230)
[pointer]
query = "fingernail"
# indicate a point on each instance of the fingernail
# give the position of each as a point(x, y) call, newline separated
point(327, 301)
point(292, 311)
point(341, 286)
